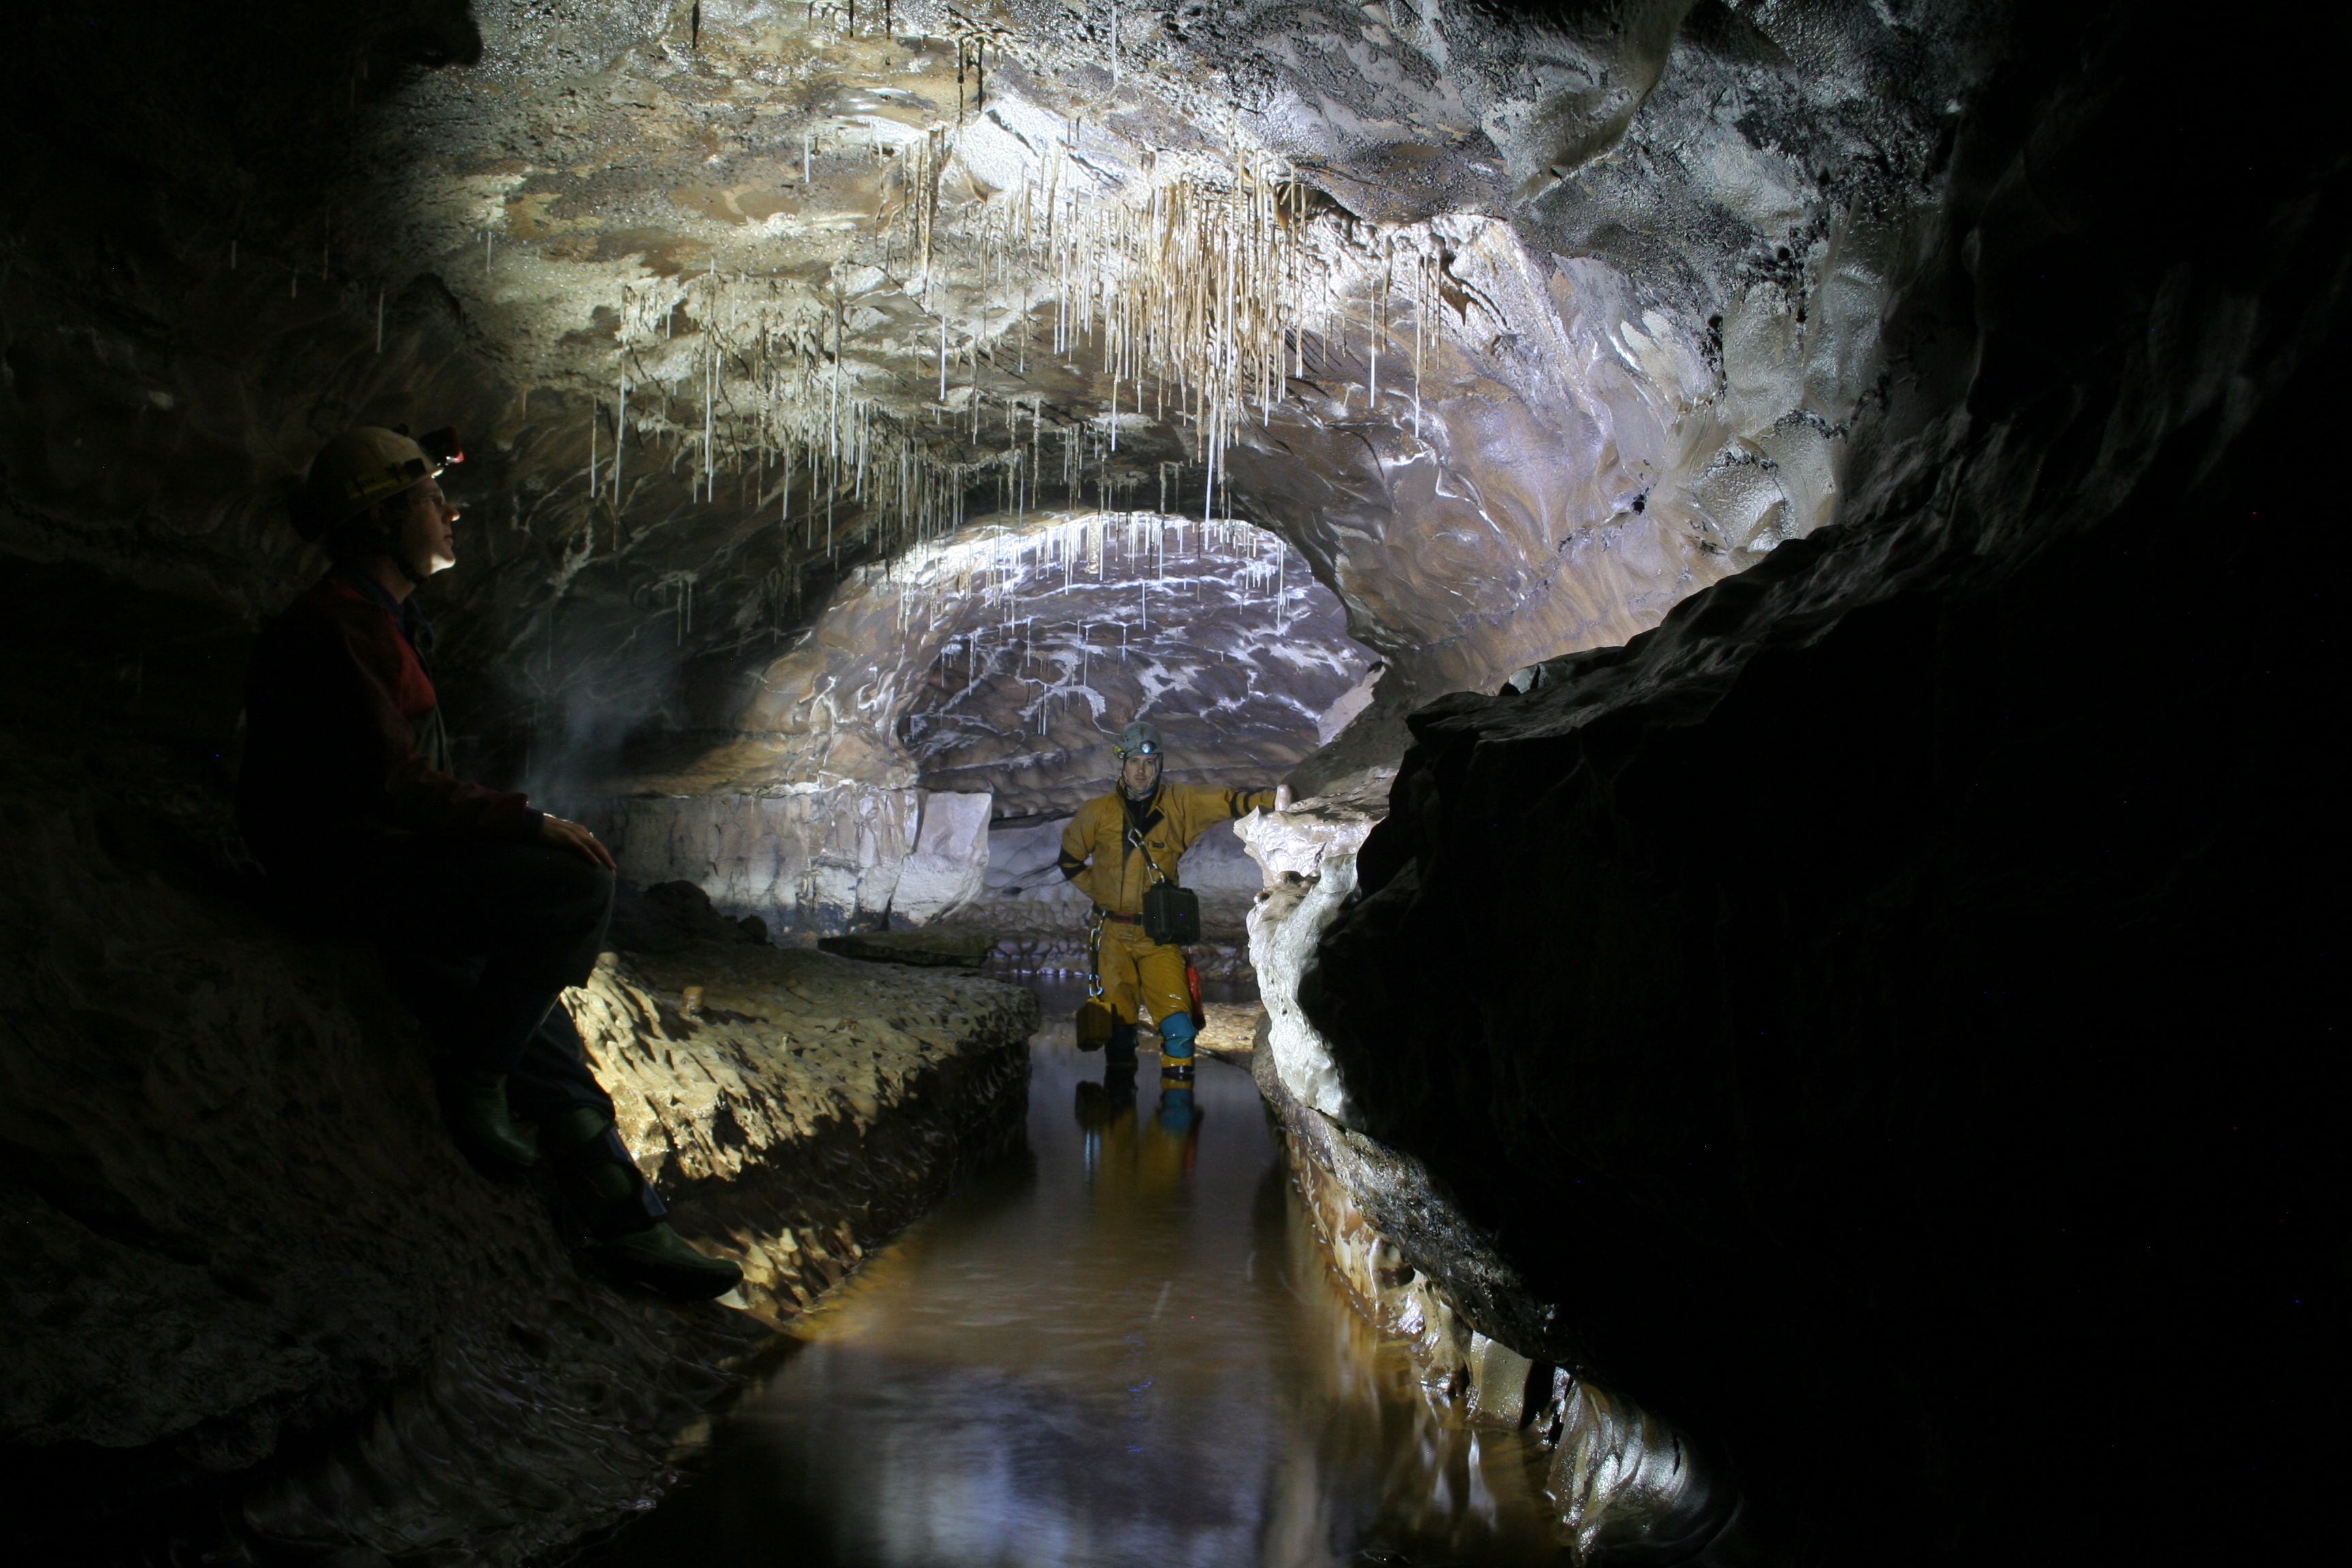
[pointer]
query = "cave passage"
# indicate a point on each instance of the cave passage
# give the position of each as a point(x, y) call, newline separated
point(1122, 1345)
point(1785, 537)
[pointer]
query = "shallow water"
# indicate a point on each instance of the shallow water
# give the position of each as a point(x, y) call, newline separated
point(1121, 1347)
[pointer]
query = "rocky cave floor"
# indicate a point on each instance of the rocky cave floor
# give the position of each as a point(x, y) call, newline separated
point(797, 1104)
point(260, 1305)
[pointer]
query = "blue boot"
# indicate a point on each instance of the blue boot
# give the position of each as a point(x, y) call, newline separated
point(1176, 1036)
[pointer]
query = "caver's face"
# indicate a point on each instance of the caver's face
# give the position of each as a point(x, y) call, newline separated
point(426, 537)
point(1140, 773)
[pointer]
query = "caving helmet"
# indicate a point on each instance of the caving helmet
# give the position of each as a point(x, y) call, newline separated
point(1138, 740)
point(360, 468)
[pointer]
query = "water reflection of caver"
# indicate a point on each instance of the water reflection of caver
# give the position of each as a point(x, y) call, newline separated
point(1153, 1157)
point(1119, 850)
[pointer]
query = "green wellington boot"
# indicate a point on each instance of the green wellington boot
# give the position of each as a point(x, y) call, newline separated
point(658, 1258)
point(475, 1104)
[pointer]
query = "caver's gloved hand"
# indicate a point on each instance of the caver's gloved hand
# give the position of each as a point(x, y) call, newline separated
point(627, 1218)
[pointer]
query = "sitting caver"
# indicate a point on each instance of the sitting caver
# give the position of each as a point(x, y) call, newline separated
point(1115, 850)
point(485, 908)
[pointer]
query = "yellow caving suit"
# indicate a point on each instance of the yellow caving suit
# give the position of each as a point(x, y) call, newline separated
point(1097, 858)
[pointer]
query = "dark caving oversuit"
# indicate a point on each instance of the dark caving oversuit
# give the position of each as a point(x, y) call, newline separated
point(1114, 850)
point(483, 908)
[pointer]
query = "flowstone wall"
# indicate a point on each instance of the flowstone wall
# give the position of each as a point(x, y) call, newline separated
point(825, 860)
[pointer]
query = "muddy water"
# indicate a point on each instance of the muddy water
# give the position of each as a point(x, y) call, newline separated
point(1121, 1347)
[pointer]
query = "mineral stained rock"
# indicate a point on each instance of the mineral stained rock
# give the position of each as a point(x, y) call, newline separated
point(1883, 1005)
point(1625, 1485)
point(811, 1105)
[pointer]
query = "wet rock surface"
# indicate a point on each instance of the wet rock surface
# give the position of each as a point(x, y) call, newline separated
point(1231, 1029)
point(1859, 953)
point(1621, 1483)
point(802, 1106)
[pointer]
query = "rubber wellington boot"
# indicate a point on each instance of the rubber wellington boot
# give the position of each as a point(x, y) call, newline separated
point(476, 1105)
point(660, 1259)
point(1176, 1048)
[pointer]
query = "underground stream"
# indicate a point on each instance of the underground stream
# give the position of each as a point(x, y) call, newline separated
point(1122, 1345)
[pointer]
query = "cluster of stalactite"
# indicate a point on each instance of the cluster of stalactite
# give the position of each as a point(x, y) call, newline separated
point(1004, 586)
point(1199, 291)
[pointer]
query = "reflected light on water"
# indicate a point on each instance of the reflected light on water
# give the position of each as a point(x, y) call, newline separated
point(1121, 1347)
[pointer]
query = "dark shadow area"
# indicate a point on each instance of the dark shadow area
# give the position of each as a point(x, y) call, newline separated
point(1926, 1025)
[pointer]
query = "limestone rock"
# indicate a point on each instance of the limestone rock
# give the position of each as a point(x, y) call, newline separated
point(1857, 955)
point(811, 1105)
point(924, 948)
point(1233, 1029)
point(949, 864)
point(844, 859)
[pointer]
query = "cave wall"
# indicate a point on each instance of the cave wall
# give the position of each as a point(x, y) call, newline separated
point(988, 676)
point(1955, 308)
point(1895, 1023)
point(848, 857)
point(1006, 660)
point(242, 1253)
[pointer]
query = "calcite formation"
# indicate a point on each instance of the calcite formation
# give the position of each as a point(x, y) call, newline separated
point(802, 1106)
point(849, 857)
point(1515, 331)
point(1873, 447)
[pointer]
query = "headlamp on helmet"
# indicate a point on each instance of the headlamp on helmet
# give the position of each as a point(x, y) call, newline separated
point(360, 468)
point(1138, 740)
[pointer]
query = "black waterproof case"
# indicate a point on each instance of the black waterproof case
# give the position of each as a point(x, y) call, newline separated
point(1172, 914)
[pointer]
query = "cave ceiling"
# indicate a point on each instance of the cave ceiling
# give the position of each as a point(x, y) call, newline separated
point(1516, 328)
point(1002, 658)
